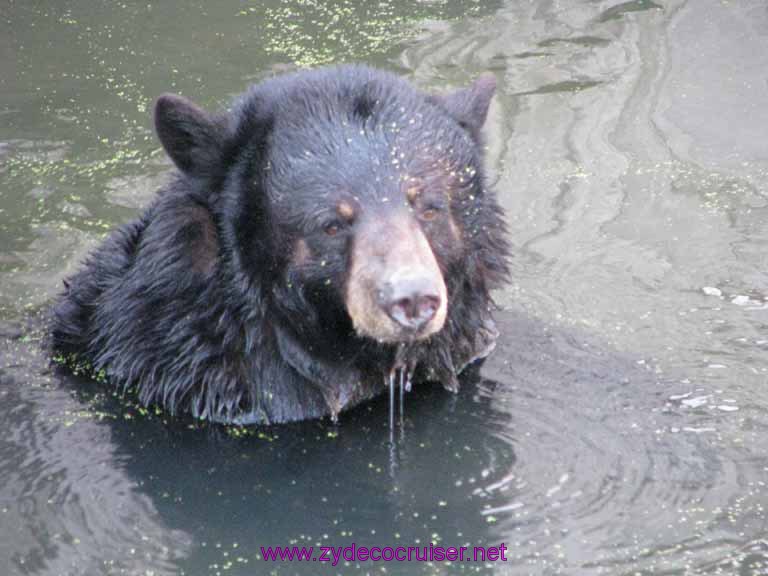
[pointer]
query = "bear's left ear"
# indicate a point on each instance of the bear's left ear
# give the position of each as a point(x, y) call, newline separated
point(469, 106)
point(192, 138)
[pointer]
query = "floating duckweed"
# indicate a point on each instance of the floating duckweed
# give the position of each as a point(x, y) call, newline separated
point(311, 32)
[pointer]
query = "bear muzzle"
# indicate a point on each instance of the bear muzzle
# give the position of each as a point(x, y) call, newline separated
point(396, 291)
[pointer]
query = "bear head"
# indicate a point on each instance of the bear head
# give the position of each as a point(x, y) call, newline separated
point(351, 209)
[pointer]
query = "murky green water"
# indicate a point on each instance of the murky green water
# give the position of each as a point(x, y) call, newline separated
point(621, 426)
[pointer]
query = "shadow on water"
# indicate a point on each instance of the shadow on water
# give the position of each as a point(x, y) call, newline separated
point(568, 453)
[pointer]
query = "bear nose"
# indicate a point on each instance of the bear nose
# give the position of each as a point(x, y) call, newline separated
point(412, 303)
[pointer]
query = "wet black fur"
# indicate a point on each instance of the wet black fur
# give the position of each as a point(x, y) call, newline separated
point(198, 304)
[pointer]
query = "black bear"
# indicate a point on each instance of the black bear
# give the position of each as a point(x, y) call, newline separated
point(334, 226)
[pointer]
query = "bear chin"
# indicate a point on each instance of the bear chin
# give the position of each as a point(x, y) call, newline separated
point(333, 226)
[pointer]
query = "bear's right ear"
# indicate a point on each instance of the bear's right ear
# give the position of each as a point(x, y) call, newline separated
point(469, 107)
point(192, 138)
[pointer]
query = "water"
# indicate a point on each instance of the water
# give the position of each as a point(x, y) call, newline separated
point(619, 428)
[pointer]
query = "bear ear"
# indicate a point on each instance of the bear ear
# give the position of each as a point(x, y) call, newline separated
point(469, 106)
point(192, 138)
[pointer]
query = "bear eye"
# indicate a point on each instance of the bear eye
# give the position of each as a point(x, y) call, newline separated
point(429, 213)
point(332, 228)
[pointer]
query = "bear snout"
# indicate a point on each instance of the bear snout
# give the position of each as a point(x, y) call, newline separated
point(411, 301)
point(396, 291)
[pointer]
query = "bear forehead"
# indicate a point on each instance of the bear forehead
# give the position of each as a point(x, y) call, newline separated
point(365, 164)
point(316, 106)
point(353, 130)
